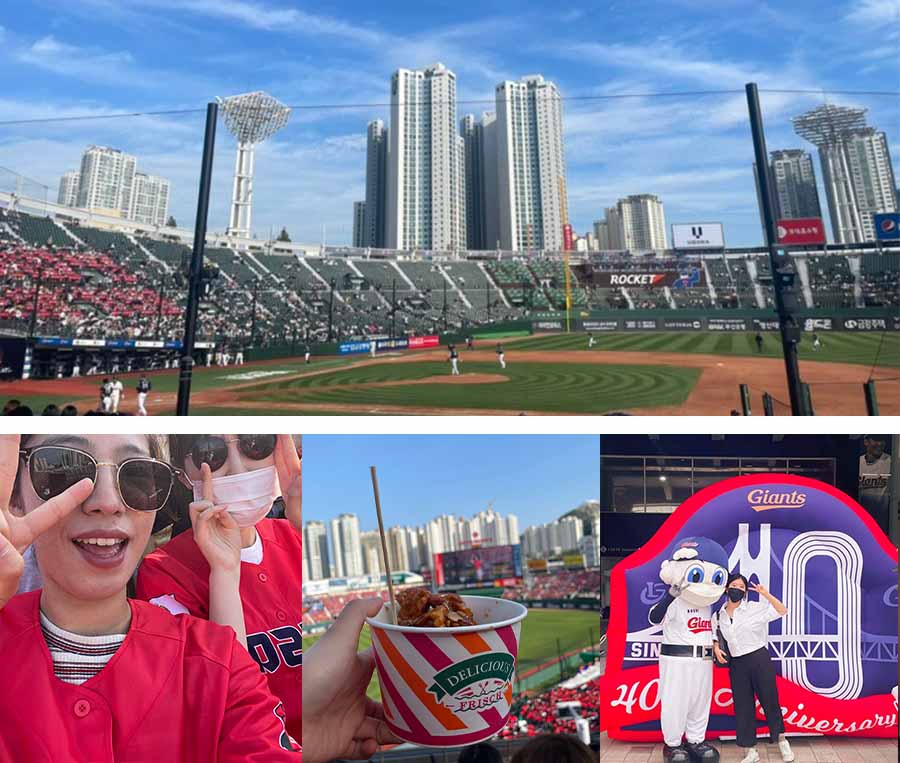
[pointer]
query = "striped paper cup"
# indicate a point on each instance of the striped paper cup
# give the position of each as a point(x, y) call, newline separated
point(449, 686)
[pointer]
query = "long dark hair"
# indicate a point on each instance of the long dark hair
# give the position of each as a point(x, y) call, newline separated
point(737, 576)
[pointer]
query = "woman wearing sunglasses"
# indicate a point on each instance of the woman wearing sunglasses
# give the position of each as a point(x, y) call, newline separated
point(234, 566)
point(86, 673)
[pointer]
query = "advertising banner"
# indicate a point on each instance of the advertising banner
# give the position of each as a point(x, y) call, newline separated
point(726, 324)
point(804, 230)
point(677, 279)
point(646, 324)
point(392, 344)
point(567, 237)
point(864, 324)
point(887, 226)
point(573, 561)
point(421, 342)
point(672, 324)
point(698, 236)
point(538, 326)
point(353, 348)
point(821, 554)
point(818, 324)
point(537, 565)
point(765, 325)
point(611, 325)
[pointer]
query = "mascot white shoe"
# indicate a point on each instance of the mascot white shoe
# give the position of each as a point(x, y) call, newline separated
point(696, 575)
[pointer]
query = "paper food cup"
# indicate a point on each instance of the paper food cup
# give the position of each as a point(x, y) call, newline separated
point(449, 686)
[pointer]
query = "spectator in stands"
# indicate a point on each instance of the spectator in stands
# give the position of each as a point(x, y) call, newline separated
point(69, 410)
point(10, 406)
point(339, 721)
point(22, 410)
point(558, 748)
point(50, 410)
point(480, 753)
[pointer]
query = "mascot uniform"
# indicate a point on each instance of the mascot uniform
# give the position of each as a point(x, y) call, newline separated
point(696, 575)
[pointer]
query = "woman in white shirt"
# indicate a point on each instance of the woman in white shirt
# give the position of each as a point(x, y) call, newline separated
point(744, 625)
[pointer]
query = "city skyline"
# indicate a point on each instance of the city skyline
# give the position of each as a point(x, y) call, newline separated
point(693, 151)
point(457, 474)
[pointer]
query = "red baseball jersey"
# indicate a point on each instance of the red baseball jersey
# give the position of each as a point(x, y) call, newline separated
point(271, 594)
point(178, 689)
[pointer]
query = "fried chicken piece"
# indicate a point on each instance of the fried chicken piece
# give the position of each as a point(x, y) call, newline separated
point(422, 609)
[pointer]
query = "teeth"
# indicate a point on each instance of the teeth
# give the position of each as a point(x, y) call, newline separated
point(100, 541)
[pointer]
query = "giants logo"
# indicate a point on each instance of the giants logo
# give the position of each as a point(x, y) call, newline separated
point(276, 648)
point(699, 625)
point(285, 741)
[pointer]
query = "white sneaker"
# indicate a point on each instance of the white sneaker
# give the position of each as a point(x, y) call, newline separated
point(787, 754)
point(752, 756)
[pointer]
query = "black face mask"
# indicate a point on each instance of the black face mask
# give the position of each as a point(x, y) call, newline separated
point(735, 594)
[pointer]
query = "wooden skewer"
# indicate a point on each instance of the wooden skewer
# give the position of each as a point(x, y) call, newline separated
point(387, 564)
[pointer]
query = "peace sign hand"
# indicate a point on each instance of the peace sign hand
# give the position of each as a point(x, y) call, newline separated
point(215, 531)
point(19, 532)
point(290, 470)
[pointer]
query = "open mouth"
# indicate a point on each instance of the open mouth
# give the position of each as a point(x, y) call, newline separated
point(102, 552)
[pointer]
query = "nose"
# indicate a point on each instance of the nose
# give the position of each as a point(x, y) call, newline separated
point(105, 498)
point(235, 460)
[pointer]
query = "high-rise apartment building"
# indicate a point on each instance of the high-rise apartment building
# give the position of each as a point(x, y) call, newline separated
point(107, 181)
point(376, 184)
point(425, 189)
point(792, 181)
point(345, 543)
point(637, 223)
point(315, 549)
point(149, 199)
point(370, 545)
point(856, 169)
point(68, 188)
point(531, 170)
point(359, 224)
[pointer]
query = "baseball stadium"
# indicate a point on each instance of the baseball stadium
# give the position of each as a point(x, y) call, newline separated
point(315, 330)
point(557, 674)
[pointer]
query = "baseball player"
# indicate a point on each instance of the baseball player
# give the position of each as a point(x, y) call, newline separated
point(106, 396)
point(696, 576)
point(143, 389)
point(453, 357)
point(110, 678)
point(239, 357)
point(590, 339)
point(76, 369)
point(373, 346)
point(470, 344)
point(759, 341)
point(817, 342)
point(234, 566)
point(306, 354)
point(500, 355)
point(118, 392)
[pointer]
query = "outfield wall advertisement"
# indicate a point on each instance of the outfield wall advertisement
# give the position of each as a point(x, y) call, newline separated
point(717, 324)
point(824, 557)
point(478, 566)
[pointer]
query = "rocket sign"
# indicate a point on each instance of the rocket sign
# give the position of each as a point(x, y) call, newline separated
point(813, 547)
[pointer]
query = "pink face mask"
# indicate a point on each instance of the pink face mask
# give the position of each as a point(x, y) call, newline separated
point(247, 496)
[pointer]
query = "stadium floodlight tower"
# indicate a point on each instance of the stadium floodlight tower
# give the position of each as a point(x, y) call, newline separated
point(251, 118)
point(828, 127)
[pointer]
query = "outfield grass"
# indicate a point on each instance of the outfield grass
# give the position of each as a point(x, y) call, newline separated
point(837, 347)
point(553, 387)
point(537, 644)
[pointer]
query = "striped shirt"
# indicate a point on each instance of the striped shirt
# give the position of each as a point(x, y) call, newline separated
point(78, 658)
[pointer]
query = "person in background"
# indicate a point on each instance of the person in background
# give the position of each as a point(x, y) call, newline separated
point(483, 752)
point(744, 626)
point(558, 748)
point(50, 410)
point(69, 410)
point(143, 389)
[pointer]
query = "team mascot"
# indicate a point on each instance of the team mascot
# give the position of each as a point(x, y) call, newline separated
point(696, 575)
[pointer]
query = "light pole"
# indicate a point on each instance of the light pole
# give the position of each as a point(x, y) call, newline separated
point(331, 310)
point(251, 118)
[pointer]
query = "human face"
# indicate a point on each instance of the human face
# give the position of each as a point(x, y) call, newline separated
point(738, 583)
point(236, 460)
point(85, 570)
point(874, 448)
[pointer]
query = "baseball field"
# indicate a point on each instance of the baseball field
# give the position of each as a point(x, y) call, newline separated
point(680, 373)
point(537, 645)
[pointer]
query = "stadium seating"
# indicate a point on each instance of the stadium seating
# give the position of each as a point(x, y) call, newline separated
point(831, 281)
point(537, 714)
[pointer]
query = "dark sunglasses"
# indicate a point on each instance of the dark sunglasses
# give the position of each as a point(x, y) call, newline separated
point(208, 449)
point(144, 484)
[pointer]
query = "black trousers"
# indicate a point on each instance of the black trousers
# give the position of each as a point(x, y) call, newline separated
point(754, 674)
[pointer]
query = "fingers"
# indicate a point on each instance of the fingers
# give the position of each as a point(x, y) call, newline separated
point(41, 519)
point(206, 476)
point(343, 636)
point(376, 728)
point(9, 465)
point(226, 520)
point(11, 566)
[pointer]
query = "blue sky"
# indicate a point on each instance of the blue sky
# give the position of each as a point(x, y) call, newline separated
point(537, 478)
point(106, 56)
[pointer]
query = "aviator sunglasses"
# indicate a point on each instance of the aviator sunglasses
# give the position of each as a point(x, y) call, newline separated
point(212, 450)
point(144, 483)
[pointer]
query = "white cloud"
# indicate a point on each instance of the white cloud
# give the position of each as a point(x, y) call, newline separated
point(874, 11)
